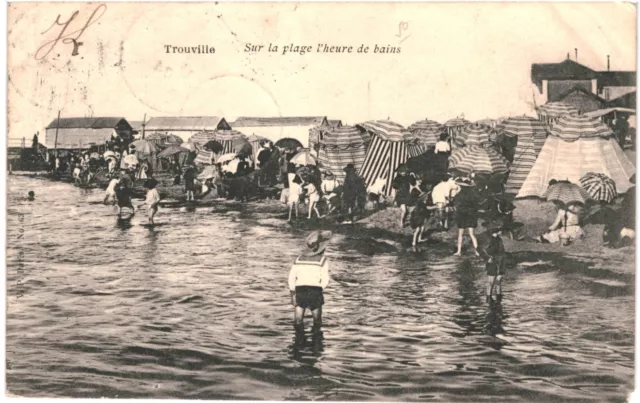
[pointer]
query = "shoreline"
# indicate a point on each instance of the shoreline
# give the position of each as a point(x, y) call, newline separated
point(380, 230)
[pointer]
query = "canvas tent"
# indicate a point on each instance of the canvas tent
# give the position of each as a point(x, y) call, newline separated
point(342, 146)
point(531, 135)
point(550, 112)
point(391, 145)
point(576, 146)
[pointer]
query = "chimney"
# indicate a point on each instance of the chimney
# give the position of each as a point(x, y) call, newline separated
point(576, 49)
point(608, 63)
point(568, 56)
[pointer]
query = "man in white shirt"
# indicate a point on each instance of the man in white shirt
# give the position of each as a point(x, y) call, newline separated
point(376, 190)
point(442, 195)
point(308, 277)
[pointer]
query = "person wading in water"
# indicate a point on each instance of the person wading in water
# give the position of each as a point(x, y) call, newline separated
point(308, 278)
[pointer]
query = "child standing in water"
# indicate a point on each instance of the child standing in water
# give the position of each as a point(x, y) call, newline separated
point(308, 277)
point(153, 198)
point(495, 257)
point(110, 196)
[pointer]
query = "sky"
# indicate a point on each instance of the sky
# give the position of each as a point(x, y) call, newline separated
point(469, 59)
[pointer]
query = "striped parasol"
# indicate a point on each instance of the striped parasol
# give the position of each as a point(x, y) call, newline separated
point(573, 127)
point(453, 127)
point(599, 186)
point(342, 146)
point(387, 130)
point(144, 147)
point(473, 135)
point(566, 192)
point(477, 159)
point(202, 138)
point(427, 132)
point(522, 126)
point(224, 137)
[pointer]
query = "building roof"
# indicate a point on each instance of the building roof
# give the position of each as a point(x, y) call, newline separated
point(136, 124)
point(335, 123)
point(280, 121)
point(617, 92)
point(86, 123)
point(582, 90)
point(187, 123)
point(617, 79)
point(77, 138)
point(566, 70)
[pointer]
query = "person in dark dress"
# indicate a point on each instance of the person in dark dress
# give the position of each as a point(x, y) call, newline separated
point(189, 177)
point(350, 192)
point(466, 205)
point(123, 195)
point(402, 185)
point(423, 209)
point(495, 257)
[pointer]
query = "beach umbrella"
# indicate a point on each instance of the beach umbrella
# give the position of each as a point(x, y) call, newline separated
point(599, 186)
point(108, 154)
point(225, 158)
point(171, 150)
point(303, 158)
point(144, 147)
point(551, 111)
point(521, 126)
point(453, 126)
point(289, 143)
point(189, 146)
point(573, 127)
point(427, 132)
point(387, 130)
point(566, 192)
point(208, 173)
point(130, 159)
point(172, 139)
point(214, 146)
point(202, 137)
point(473, 135)
point(477, 159)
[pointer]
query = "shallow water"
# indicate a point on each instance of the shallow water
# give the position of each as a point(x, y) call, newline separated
point(198, 307)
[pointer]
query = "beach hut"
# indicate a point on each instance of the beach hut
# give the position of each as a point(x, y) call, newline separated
point(550, 112)
point(427, 132)
point(577, 145)
point(530, 135)
point(391, 145)
point(342, 146)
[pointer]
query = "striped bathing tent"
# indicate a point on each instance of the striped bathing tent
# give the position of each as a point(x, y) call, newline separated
point(473, 134)
point(342, 146)
point(574, 148)
point(391, 145)
point(531, 135)
point(255, 140)
point(427, 132)
point(550, 112)
point(454, 126)
point(224, 137)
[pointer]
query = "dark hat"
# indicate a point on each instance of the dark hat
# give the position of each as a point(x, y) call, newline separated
point(317, 242)
point(349, 167)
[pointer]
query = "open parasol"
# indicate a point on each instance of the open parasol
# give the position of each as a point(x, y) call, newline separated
point(223, 159)
point(304, 158)
point(172, 150)
point(474, 134)
point(477, 159)
point(145, 147)
point(427, 131)
point(573, 127)
point(599, 187)
point(567, 193)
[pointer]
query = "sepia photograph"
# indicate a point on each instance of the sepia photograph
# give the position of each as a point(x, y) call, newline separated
point(321, 201)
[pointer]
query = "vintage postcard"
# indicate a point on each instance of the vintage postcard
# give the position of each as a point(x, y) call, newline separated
point(323, 201)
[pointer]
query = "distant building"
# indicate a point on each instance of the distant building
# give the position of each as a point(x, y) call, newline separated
point(185, 126)
point(335, 123)
point(276, 128)
point(83, 133)
point(572, 82)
